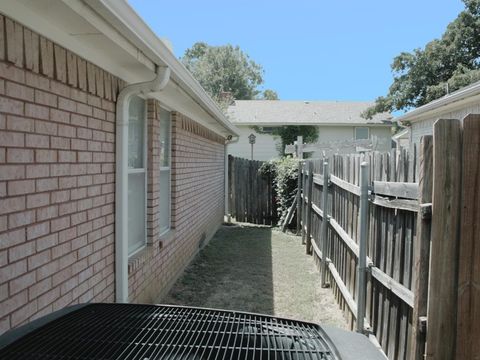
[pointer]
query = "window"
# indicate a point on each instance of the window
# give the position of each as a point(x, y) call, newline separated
point(361, 133)
point(165, 171)
point(267, 129)
point(136, 175)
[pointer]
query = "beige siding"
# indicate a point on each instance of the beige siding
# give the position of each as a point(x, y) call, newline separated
point(334, 133)
point(328, 134)
point(266, 146)
point(425, 127)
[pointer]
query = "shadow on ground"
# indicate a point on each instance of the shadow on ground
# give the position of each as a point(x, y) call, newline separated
point(234, 271)
point(257, 269)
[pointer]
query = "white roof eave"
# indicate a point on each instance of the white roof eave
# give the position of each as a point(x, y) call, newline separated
point(275, 124)
point(457, 99)
point(123, 18)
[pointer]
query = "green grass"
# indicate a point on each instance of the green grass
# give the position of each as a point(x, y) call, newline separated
point(257, 269)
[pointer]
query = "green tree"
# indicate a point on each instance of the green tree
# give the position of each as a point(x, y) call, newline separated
point(444, 65)
point(269, 94)
point(224, 69)
point(288, 135)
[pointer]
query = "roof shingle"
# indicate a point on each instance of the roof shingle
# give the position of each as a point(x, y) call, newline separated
point(280, 112)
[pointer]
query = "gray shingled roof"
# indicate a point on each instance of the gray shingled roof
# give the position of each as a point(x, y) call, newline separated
point(280, 112)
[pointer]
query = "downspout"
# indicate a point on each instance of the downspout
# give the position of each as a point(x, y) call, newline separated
point(227, 171)
point(121, 184)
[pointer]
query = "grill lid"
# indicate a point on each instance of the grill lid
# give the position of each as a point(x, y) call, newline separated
point(151, 332)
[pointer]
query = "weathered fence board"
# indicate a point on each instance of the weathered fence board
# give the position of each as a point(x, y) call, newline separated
point(468, 317)
point(447, 172)
point(250, 193)
point(400, 204)
point(309, 199)
point(334, 232)
point(403, 190)
point(421, 254)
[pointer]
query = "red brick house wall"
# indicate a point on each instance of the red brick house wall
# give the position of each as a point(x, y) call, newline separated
point(57, 184)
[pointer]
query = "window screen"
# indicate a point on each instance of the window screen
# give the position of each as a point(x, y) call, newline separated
point(136, 175)
point(165, 171)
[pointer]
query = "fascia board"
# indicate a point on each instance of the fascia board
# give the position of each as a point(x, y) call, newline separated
point(237, 124)
point(448, 103)
point(121, 16)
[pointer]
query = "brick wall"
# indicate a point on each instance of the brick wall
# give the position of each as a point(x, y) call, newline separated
point(197, 205)
point(57, 125)
point(57, 167)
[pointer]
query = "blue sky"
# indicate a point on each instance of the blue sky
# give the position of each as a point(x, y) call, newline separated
point(309, 49)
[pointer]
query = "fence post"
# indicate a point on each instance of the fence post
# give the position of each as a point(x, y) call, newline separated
point(299, 199)
point(362, 254)
point(325, 223)
point(308, 239)
point(304, 207)
point(421, 250)
point(300, 147)
point(442, 296)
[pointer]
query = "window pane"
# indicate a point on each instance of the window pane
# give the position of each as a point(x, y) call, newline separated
point(136, 123)
point(136, 211)
point(361, 133)
point(164, 138)
point(267, 129)
point(164, 193)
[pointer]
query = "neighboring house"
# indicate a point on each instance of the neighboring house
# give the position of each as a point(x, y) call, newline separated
point(107, 190)
point(456, 105)
point(339, 124)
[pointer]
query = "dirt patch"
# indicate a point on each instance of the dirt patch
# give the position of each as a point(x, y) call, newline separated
point(257, 269)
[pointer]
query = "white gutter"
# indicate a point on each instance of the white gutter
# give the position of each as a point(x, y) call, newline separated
point(127, 22)
point(288, 123)
point(444, 103)
point(121, 182)
point(399, 135)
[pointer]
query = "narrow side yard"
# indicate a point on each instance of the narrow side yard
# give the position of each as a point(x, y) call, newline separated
point(257, 269)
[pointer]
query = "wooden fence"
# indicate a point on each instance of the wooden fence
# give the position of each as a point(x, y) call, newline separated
point(385, 292)
point(250, 193)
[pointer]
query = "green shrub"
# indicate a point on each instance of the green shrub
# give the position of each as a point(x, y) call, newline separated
point(285, 177)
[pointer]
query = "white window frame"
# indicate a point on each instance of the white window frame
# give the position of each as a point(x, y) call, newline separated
point(143, 170)
point(361, 127)
point(169, 168)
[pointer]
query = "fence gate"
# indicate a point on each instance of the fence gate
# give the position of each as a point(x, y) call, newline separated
point(250, 193)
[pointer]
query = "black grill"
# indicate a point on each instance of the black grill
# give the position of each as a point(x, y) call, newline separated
point(151, 332)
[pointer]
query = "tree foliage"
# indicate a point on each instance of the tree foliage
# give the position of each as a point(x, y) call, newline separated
point(285, 181)
point(288, 134)
point(269, 94)
point(224, 69)
point(444, 65)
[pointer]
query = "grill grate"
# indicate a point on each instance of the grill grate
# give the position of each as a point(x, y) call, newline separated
point(151, 332)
